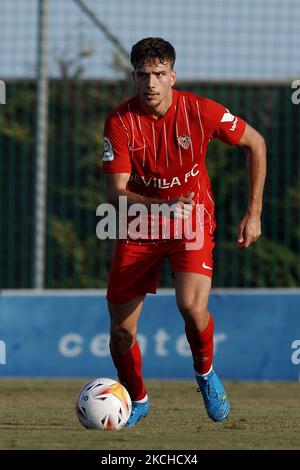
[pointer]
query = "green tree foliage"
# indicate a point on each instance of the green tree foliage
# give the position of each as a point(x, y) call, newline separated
point(75, 257)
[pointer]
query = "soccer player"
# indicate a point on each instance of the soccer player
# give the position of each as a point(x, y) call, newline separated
point(154, 152)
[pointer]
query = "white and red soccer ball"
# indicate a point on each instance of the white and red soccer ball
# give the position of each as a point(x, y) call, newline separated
point(103, 404)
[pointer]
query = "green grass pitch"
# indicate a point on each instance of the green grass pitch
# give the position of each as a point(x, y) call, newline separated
point(39, 414)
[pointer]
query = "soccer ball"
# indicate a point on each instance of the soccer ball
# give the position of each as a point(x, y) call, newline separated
point(103, 404)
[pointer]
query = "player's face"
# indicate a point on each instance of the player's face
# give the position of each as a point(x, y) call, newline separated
point(153, 82)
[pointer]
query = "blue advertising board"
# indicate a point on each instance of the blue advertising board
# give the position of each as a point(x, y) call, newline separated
point(52, 334)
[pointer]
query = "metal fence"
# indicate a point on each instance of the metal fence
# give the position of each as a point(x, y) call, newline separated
point(74, 256)
point(78, 102)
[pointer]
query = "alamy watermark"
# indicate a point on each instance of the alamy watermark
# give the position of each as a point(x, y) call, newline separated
point(2, 352)
point(2, 92)
point(295, 358)
point(296, 94)
point(162, 221)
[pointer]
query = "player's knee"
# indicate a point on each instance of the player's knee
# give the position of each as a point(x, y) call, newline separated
point(193, 311)
point(122, 338)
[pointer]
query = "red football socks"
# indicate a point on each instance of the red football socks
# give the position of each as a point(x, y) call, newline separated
point(129, 367)
point(202, 346)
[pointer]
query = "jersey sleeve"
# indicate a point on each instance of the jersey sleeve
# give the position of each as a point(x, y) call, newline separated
point(222, 124)
point(116, 157)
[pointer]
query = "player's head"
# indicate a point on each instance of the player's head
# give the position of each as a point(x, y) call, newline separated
point(152, 50)
point(153, 61)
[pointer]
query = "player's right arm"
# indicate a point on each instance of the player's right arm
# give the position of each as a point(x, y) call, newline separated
point(115, 186)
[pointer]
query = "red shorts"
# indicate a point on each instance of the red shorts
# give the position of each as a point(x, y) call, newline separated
point(136, 265)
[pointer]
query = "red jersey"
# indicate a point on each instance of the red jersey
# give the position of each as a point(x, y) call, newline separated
point(166, 157)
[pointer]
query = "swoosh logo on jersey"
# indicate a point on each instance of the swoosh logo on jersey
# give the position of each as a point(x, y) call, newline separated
point(206, 267)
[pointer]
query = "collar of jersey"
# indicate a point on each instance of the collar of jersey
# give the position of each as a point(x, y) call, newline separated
point(165, 116)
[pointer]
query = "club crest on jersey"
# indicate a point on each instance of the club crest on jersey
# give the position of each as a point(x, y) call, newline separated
point(108, 153)
point(184, 141)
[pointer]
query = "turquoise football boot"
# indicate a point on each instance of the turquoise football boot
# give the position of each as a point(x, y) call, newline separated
point(139, 411)
point(214, 396)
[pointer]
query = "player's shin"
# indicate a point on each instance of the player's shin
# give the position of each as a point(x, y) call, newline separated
point(201, 344)
point(129, 367)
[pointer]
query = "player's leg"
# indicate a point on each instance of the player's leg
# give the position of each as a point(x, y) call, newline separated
point(126, 354)
point(192, 292)
point(124, 347)
point(135, 271)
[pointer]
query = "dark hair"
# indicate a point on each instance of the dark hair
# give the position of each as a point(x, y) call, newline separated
point(151, 49)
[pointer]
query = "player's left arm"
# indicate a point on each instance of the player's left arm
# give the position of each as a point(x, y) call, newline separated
point(250, 225)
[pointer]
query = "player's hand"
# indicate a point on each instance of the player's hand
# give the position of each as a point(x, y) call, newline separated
point(182, 206)
point(249, 230)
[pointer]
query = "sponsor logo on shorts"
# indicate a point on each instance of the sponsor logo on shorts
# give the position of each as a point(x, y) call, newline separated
point(206, 267)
